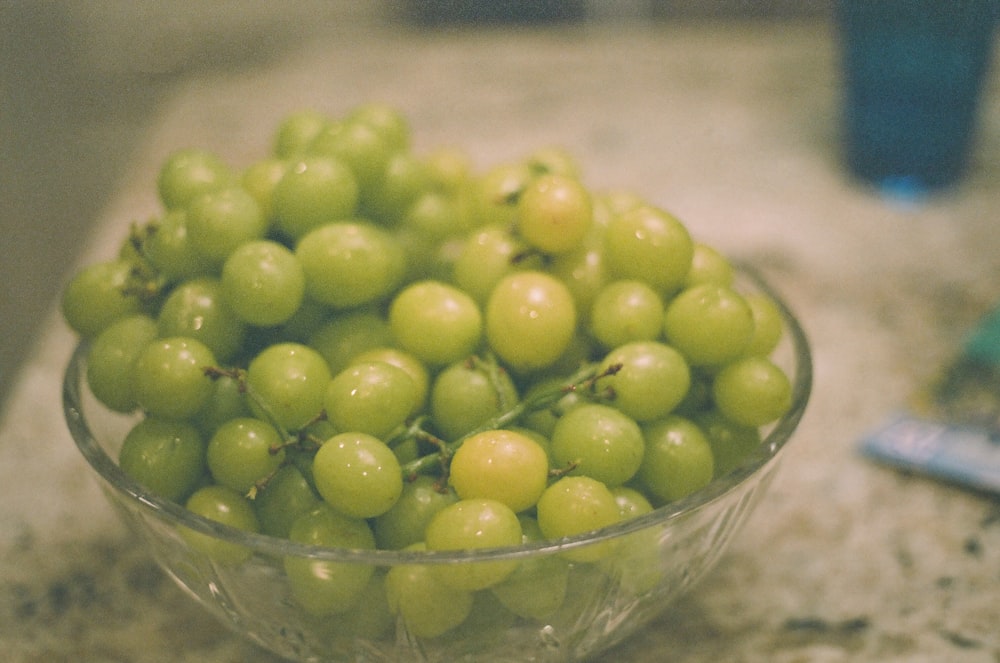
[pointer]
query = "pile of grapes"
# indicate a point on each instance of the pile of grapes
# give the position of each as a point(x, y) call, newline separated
point(351, 344)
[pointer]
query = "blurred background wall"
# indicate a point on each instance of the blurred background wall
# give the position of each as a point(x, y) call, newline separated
point(81, 81)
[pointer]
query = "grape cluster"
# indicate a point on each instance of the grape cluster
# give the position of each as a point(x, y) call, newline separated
point(350, 344)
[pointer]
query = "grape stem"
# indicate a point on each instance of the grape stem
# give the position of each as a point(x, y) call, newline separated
point(261, 484)
point(296, 438)
point(560, 472)
point(528, 254)
point(495, 374)
point(583, 378)
point(144, 281)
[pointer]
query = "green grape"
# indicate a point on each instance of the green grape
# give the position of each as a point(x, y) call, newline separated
point(448, 169)
point(323, 587)
point(386, 120)
point(708, 266)
point(474, 524)
point(495, 193)
point(554, 213)
point(403, 525)
point(370, 619)
point(631, 502)
point(618, 201)
point(731, 442)
point(580, 350)
point(168, 249)
point(540, 439)
point(297, 131)
point(638, 562)
point(359, 145)
point(537, 588)
point(350, 263)
point(260, 180)
point(370, 397)
point(342, 338)
point(357, 474)
point(488, 623)
point(752, 391)
point(197, 309)
point(555, 160)
point(228, 507)
point(407, 362)
point(768, 324)
point(226, 402)
point(465, 395)
point(111, 358)
point(709, 324)
point(440, 264)
point(436, 322)
point(170, 377)
point(652, 380)
point(598, 441)
point(189, 173)
point(530, 320)
point(678, 458)
point(426, 258)
point(243, 452)
point(286, 495)
point(263, 283)
point(435, 217)
point(401, 183)
point(309, 317)
point(427, 607)
point(314, 190)
point(625, 311)
point(487, 255)
point(287, 383)
point(96, 296)
point(166, 457)
point(576, 505)
point(603, 213)
point(219, 221)
point(648, 244)
point(583, 272)
point(502, 465)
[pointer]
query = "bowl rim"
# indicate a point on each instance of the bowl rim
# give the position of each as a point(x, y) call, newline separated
point(775, 439)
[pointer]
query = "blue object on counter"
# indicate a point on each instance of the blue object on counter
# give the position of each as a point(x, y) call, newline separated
point(951, 430)
point(913, 75)
point(983, 343)
point(965, 456)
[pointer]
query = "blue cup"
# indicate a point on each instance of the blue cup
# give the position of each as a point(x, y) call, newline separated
point(913, 74)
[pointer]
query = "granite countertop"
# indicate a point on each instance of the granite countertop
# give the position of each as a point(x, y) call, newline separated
point(733, 128)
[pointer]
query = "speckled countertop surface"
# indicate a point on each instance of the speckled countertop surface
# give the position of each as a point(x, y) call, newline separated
point(734, 129)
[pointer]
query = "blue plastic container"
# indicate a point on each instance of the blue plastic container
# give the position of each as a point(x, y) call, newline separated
point(913, 75)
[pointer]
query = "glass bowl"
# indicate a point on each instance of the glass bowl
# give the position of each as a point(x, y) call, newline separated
point(611, 582)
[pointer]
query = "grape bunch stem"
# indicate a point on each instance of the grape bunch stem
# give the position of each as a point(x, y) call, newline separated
point(583, 380)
